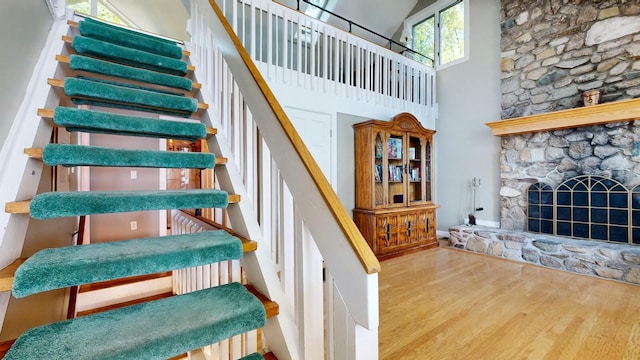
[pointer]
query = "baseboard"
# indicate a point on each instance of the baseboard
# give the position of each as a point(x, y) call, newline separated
point(493, 224)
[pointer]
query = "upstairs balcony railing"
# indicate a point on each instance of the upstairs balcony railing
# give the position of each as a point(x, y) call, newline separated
point(295, 50)
point(391, 43)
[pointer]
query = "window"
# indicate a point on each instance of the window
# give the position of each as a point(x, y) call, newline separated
point(104, 10)
point(314, 11)
point(439, 33)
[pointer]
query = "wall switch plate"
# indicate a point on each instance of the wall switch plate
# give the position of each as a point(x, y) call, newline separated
point(134, 225)
point(134, 174)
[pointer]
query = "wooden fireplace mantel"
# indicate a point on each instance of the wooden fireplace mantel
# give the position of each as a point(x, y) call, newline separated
point(623, 110)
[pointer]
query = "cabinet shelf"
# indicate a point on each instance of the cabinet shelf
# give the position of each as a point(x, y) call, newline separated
point(396, 214)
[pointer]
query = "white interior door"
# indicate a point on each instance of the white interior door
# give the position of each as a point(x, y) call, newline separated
point(315, 129)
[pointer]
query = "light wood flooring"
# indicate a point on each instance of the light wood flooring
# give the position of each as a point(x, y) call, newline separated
point(449, 304)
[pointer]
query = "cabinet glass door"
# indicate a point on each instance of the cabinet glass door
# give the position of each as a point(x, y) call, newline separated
point(378, 169)
point(415, 170)
point(395, 169)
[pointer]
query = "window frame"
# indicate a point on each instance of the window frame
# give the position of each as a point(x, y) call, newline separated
point(434, 11)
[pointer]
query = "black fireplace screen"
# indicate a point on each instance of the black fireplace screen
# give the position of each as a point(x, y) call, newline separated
point(585, 207)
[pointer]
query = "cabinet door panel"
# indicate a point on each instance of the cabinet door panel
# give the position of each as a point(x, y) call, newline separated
point(431, 229)
point(387, 233)
point(408, 234)
point(421, 226)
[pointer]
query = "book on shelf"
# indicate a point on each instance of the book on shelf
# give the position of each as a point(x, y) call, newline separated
point(394, 148)
point(378, 172)
point(415, 174)
point(395, 172)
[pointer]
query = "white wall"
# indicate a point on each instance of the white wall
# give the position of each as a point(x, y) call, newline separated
point(24, 26)
point(469, 96)
point(346, 163)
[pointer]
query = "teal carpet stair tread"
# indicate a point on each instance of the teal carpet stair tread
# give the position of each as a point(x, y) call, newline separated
point(124, 55)
point(79, 155)
point(84, 63)
point(74, 119)
point(153, 330)
point(128, 38)
point(56, 268)
point(254, 356)
point(89, 92)
point(143, 35)
point(52, 205)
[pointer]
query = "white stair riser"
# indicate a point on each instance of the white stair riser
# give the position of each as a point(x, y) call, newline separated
point(122, 293)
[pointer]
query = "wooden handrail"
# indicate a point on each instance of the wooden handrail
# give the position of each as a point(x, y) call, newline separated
point(623, 110)
point(340, 214)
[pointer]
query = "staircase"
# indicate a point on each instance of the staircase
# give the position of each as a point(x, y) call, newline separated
point(117, 69)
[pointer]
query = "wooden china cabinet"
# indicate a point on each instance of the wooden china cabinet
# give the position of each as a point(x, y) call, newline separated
point(394, 190)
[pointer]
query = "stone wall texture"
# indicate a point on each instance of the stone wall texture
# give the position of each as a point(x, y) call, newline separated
point(608, 261)
point(611, 151)
point(552, 51)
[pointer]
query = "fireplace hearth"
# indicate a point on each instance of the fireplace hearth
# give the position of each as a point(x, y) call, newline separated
point(607, 260)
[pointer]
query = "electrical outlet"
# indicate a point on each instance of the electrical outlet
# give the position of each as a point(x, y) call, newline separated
point(134, 225)
point(134, 174)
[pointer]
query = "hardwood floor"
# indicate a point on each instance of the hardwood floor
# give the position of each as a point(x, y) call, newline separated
point(448, 304)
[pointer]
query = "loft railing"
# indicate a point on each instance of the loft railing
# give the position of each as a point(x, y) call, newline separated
point(296, 51)
point(287, 206)
point(351, 24)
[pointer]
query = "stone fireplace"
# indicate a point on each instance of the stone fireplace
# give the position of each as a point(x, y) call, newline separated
point(553, 51)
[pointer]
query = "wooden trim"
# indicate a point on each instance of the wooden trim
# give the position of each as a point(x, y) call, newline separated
point(272, 308)
point(247, 245)
point(7, 274)
point(234, 198)
point(5, 346)
point(34, 153)
point(46, 113)
point(212, 131)
point(340, 214)
point(624, 110)
point(17, 207)
point(122, 281)
point(125, 303)
point(56, 83)
point(221, 160)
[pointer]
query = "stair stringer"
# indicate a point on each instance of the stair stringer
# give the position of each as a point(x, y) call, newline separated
point(27, 131)
point(281, 331)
